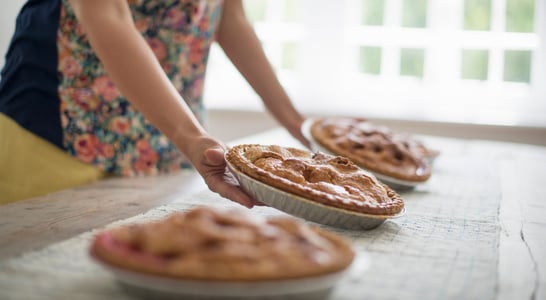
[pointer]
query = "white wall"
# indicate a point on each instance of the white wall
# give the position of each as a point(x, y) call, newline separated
point(8, 13)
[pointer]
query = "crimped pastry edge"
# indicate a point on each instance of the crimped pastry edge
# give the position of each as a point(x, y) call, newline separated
point(238, 161)
point(103, 251)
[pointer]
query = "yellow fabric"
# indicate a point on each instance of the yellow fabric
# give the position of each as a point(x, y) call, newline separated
point(30, 166)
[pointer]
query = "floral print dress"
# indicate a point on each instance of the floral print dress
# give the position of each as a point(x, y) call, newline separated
point(99, 125)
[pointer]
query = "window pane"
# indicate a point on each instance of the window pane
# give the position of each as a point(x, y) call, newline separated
point(474, 64)
point(292, 10)
point(520, 15)
point(477, 14)
point(517, 66)
point(414, 13)
point(289, 55)
point(412, 62)
point(370, 60)
point(372, 12)
point(255, 9)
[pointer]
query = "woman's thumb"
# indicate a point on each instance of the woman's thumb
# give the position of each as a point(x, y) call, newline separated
point(215, 156)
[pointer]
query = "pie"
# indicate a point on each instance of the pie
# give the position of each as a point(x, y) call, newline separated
point(332, 181)
point(418, 146)
point(223, 245)
point(373, 147)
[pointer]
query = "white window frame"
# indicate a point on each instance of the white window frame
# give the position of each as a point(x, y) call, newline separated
point(327, 80)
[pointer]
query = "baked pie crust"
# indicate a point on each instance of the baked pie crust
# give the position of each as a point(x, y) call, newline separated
point(231, 245)
point(374, 148)
point(332, 181)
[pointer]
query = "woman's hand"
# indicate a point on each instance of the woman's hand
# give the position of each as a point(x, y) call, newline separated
point(209, 161)
point(296, 132)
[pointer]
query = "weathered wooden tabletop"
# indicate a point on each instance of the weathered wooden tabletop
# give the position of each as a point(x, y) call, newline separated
point(475, 230)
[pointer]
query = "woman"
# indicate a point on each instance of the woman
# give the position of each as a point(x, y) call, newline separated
point(98, 87)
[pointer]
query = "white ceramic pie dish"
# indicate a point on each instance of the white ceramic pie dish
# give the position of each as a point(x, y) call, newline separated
point(394, 183)
point(308, 209)
point(159, 287)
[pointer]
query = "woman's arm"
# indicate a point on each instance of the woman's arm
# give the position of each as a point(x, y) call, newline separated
point(240, 43)
point(132, 66)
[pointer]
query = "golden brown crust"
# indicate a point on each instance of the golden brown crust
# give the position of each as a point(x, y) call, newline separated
point(326, 179)
point(208, 244)
point(372, 147)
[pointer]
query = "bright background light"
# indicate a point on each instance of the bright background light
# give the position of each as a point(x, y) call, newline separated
point(469, 61)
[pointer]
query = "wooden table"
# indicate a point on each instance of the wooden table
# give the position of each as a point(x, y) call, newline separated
point(476, 230)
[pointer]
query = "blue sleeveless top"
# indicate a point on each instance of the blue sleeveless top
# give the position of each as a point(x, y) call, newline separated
point(28, 90)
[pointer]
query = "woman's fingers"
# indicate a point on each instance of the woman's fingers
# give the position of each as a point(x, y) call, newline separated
point(221, 181)
point(230, 191)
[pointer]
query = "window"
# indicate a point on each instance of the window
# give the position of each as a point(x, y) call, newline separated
point(370, 60)
point(474, 64)
point(479, 61)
